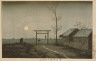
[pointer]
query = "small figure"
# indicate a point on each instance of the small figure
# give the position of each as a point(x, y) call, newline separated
point(39, 40)
point(21, 40)
point(45, 36)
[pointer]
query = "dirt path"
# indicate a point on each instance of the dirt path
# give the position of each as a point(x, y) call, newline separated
point(53, 51)
point(63, 54)
point(61, 50)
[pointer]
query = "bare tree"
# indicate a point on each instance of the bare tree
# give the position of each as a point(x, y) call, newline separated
point(54, 28)
point(53, 10)
point(80, 25)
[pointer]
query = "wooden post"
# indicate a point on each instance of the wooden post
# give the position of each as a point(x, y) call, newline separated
point(36, 37)
point(47, 37)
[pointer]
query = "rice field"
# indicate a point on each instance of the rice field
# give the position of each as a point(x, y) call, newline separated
point(30, 41)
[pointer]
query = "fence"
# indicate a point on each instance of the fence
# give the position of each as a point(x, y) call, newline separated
point(77, 44)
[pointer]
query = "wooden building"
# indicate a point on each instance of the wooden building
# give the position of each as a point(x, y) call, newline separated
point(67, 36)
point(80, 39)
point(83, 39)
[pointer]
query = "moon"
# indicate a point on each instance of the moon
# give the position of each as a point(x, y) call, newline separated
point(26, 28)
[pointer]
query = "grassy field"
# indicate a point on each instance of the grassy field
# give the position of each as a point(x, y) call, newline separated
point(26, 50)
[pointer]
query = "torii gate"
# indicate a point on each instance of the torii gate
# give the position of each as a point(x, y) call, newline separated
point(42, 32)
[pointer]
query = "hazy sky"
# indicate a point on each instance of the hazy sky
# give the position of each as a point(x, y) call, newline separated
point(35, 15)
